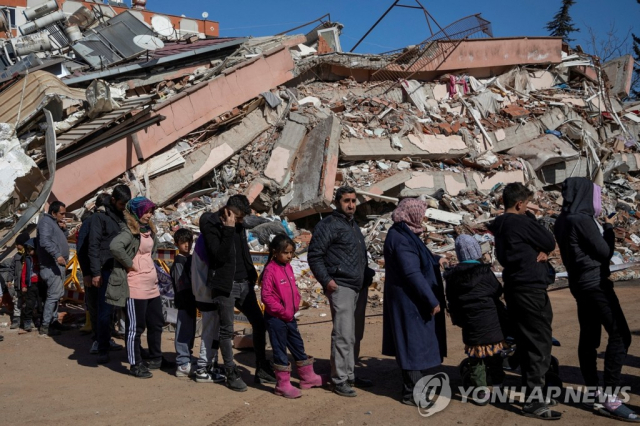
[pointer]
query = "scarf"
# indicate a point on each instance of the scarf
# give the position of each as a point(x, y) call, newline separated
point(138, 207)
point(410, 211)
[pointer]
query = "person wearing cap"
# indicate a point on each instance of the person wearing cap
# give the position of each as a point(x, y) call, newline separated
point(13, 279)
point(413, 323)
point(473, 301)
point(29, 283)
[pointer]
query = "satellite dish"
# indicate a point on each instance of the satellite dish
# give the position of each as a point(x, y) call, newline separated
point(162, 25)
point(148, 42)
point(205, 15)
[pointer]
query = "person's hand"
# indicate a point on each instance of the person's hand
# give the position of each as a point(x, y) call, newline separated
point(435, 310)
point(228, 218)
point(542, 257)
point(610, 220)
point(444, 262)
point(331, 287)
point(24, 289)
point(96, 281)
point(63, 225)
point(61, 261)
point(132, 268)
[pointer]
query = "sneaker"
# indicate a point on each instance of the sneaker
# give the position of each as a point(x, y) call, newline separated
point(234, 381)
point(1, 338)
point(217, 375)
point(360, 383)
point(15, 324)
point(113, 346)
point(482, 399)
point(265, 374)
point(47, 332)
point(184, 371)
point(160, 364)
point(344, 389)
point(94, 348)
point(103, 358)
point(140, 371)
point(202, 376)
point(28, 326)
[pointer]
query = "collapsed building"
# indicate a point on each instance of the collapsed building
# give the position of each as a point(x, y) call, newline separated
point(188, 119)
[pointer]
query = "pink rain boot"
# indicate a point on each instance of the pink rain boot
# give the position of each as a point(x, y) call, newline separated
point(308, 378)
point(284, 387)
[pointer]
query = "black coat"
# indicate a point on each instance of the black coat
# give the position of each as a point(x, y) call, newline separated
point(82, 246)
point(221, 251)
point(338, 252)
point(105, 226)
point(473, 298)
point(585, 251)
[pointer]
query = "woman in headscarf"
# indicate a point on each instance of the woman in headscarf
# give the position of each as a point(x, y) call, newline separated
point(134, 285)
point(413, 320)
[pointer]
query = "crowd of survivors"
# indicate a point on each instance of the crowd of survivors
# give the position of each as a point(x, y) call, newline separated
point(214, 275)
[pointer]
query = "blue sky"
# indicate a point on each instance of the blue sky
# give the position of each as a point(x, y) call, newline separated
point(404, 26)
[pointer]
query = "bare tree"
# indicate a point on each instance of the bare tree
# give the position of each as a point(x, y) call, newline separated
point(610, 45)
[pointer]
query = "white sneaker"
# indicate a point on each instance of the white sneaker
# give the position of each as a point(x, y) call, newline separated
point(94, 348)
point(184, 371)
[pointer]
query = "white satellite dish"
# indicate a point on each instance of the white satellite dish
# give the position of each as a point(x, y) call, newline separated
point(148, 42)
point(162, 25)
point(205, 15)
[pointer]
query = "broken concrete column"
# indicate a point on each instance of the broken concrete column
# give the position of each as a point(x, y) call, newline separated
point(433, 147)
point(315, 170)
point(284, 152)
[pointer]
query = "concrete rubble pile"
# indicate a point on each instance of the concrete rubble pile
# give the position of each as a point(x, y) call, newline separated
point(286, 119)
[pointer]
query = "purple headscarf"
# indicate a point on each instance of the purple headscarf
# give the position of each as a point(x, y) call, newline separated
point(597, 200)
point(138, 207)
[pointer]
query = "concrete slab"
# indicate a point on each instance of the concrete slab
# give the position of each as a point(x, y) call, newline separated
point(620, 73)
point(315, 170)
point(284, 152)
point(433, 147)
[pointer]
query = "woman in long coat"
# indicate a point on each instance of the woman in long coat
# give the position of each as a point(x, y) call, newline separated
point(413, 320)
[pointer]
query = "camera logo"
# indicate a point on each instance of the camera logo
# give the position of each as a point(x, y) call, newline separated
point(432, 394)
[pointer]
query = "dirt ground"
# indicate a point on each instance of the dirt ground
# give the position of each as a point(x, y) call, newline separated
point(45, 381)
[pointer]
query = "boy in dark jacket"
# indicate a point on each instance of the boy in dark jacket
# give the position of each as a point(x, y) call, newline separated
point(184, 302)
point(13, 280)
point(586, 248)
point(473, 296)
point(522, 246)
point(29, 280)
point(231, 277)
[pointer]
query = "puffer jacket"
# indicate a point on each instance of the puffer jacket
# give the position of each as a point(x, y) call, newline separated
point(123, 249)
point(585, 250)
point(338, 252)
point(473, 300)
point(106, 223)
point(52, 242)
point(280, 293)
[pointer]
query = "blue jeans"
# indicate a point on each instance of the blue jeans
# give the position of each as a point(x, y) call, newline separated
point(105, 314)
point(53, 278)
point(185, 335)
point(284, 335)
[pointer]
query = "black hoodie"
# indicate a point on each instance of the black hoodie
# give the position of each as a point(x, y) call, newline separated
point(585, 251)
point(519, 241)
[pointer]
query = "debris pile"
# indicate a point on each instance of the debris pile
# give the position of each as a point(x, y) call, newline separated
point(286, 119)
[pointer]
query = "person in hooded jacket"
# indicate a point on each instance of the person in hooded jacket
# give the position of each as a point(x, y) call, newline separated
point(473, 296)
point(13, 279)
point(522, 248)
point(586, 248)
point(413, 323)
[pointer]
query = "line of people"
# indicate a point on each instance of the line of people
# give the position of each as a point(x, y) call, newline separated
point(116, 247)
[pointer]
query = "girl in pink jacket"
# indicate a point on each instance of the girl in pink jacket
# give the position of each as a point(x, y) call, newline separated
point(281, 301)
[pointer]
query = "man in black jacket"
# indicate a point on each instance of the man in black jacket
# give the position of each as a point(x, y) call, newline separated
point(522, 246)
point(586, 248)
point(338, 259)
point(231, 277)
point(105, 226)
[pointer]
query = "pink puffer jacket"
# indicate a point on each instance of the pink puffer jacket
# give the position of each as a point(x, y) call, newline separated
point(280, 293)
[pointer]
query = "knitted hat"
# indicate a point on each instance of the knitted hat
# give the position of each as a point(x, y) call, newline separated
point(467, 248)
point(22, 238)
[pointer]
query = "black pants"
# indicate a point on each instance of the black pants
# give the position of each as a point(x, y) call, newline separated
point(42, 297)
point(599, 307)
point(91, 295)
point(409, 380)
point(531, 315)
point(244, 298)
point(30, 303)
point(141, 314)
point(285, 335)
